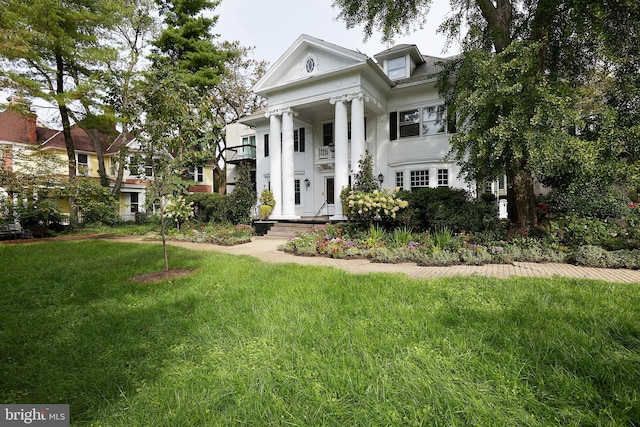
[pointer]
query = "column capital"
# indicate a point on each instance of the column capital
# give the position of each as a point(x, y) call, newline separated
point(358, 95)
point(335, 99)
point(280, 112)
point(288, 110)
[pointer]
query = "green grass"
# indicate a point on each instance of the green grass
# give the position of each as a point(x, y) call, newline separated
point(241, 342)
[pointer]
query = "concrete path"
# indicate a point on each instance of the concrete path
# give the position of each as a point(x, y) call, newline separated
point(266, 249)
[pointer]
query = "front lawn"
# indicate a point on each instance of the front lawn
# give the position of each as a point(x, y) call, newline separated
point(243, 342)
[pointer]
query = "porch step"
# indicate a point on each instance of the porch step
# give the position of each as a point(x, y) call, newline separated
point(288, 229)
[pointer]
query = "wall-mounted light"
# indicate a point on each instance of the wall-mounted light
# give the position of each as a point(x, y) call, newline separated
point(307, 183)
point(380, 178)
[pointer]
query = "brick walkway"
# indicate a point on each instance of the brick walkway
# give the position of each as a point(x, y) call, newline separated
point(266, 249)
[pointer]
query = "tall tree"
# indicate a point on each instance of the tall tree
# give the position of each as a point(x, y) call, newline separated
point(48, 45)
point(179, 130)
point(131, 36)
point(523, 63)
point(233, 99)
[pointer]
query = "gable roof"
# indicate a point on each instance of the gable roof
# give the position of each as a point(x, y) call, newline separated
point(290, 67)
point(81, 140)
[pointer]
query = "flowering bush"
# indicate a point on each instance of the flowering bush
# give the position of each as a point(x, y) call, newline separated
point(178, 209)
point(365, 207)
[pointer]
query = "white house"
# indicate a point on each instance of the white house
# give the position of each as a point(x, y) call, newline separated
point(327, 105)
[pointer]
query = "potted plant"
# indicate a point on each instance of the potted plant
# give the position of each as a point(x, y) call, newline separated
point(267, 203)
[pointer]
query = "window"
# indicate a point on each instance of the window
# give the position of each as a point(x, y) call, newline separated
point(266, 145)
point(82, 164)
point(296, 186)
point(409, 123)
point(327, 134)
point(134, 202)
point(396, 68)
point(423, 121)
point(197, 174)
point(443, 177)
point(419, 179)
point(148, 167)
point(433, 120)
point(400, 180)
point(298, 140)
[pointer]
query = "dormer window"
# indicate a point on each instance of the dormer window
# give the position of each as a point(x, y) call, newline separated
point(396, 68)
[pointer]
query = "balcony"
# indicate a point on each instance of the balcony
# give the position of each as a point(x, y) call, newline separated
point(241, 153)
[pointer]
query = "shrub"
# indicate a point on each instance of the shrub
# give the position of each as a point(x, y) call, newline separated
point(268, 203)
point(588, 200)
point(242, 199)
point(209, 207)
point(365, 207)
point(437, 208)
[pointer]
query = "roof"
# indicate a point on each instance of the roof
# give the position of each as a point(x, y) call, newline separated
point(22, 128)
point(81, 140)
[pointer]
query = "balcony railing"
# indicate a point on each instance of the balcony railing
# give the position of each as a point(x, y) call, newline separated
point(241, 153)
point(325, 153)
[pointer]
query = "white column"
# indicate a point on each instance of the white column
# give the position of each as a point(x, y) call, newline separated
point(288, 169)
point(276, 161)
point(341, 136)
point(357, 132)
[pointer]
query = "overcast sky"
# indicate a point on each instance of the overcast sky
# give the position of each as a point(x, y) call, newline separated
point(271, 27)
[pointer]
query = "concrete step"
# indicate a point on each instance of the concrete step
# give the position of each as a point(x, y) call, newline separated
point(288, 229)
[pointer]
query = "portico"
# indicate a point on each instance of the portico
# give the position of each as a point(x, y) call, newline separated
point(349, 145)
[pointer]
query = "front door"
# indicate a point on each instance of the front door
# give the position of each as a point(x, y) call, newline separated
point(330, 195)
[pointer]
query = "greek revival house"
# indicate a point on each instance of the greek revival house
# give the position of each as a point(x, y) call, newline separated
point(327, 105)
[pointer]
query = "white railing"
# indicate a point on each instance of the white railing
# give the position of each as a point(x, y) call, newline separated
point(325, 153)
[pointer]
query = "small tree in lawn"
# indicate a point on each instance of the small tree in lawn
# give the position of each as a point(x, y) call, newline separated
point(172, 137)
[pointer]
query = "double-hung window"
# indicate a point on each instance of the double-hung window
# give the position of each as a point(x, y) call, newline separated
point(396, 68)
point(82, 164)
point(409, 123)
point(197, 174)
point(433, 120)
point(422, 121)
point(299, 140)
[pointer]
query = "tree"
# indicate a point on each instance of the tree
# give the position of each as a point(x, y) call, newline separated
point(52, 49)
point(233, 99)
point(543, 52)
point(170, 137)
point(131, 36)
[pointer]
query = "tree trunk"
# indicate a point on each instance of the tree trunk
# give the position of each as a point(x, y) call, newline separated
point(122, 156)
point(521, 200)
point(220, 179)
point(97, 144)
point(68, 140)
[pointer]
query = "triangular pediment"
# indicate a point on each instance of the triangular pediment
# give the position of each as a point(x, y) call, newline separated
point(308, 57)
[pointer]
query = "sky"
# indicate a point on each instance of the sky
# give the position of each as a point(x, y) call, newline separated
point(271, 27)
